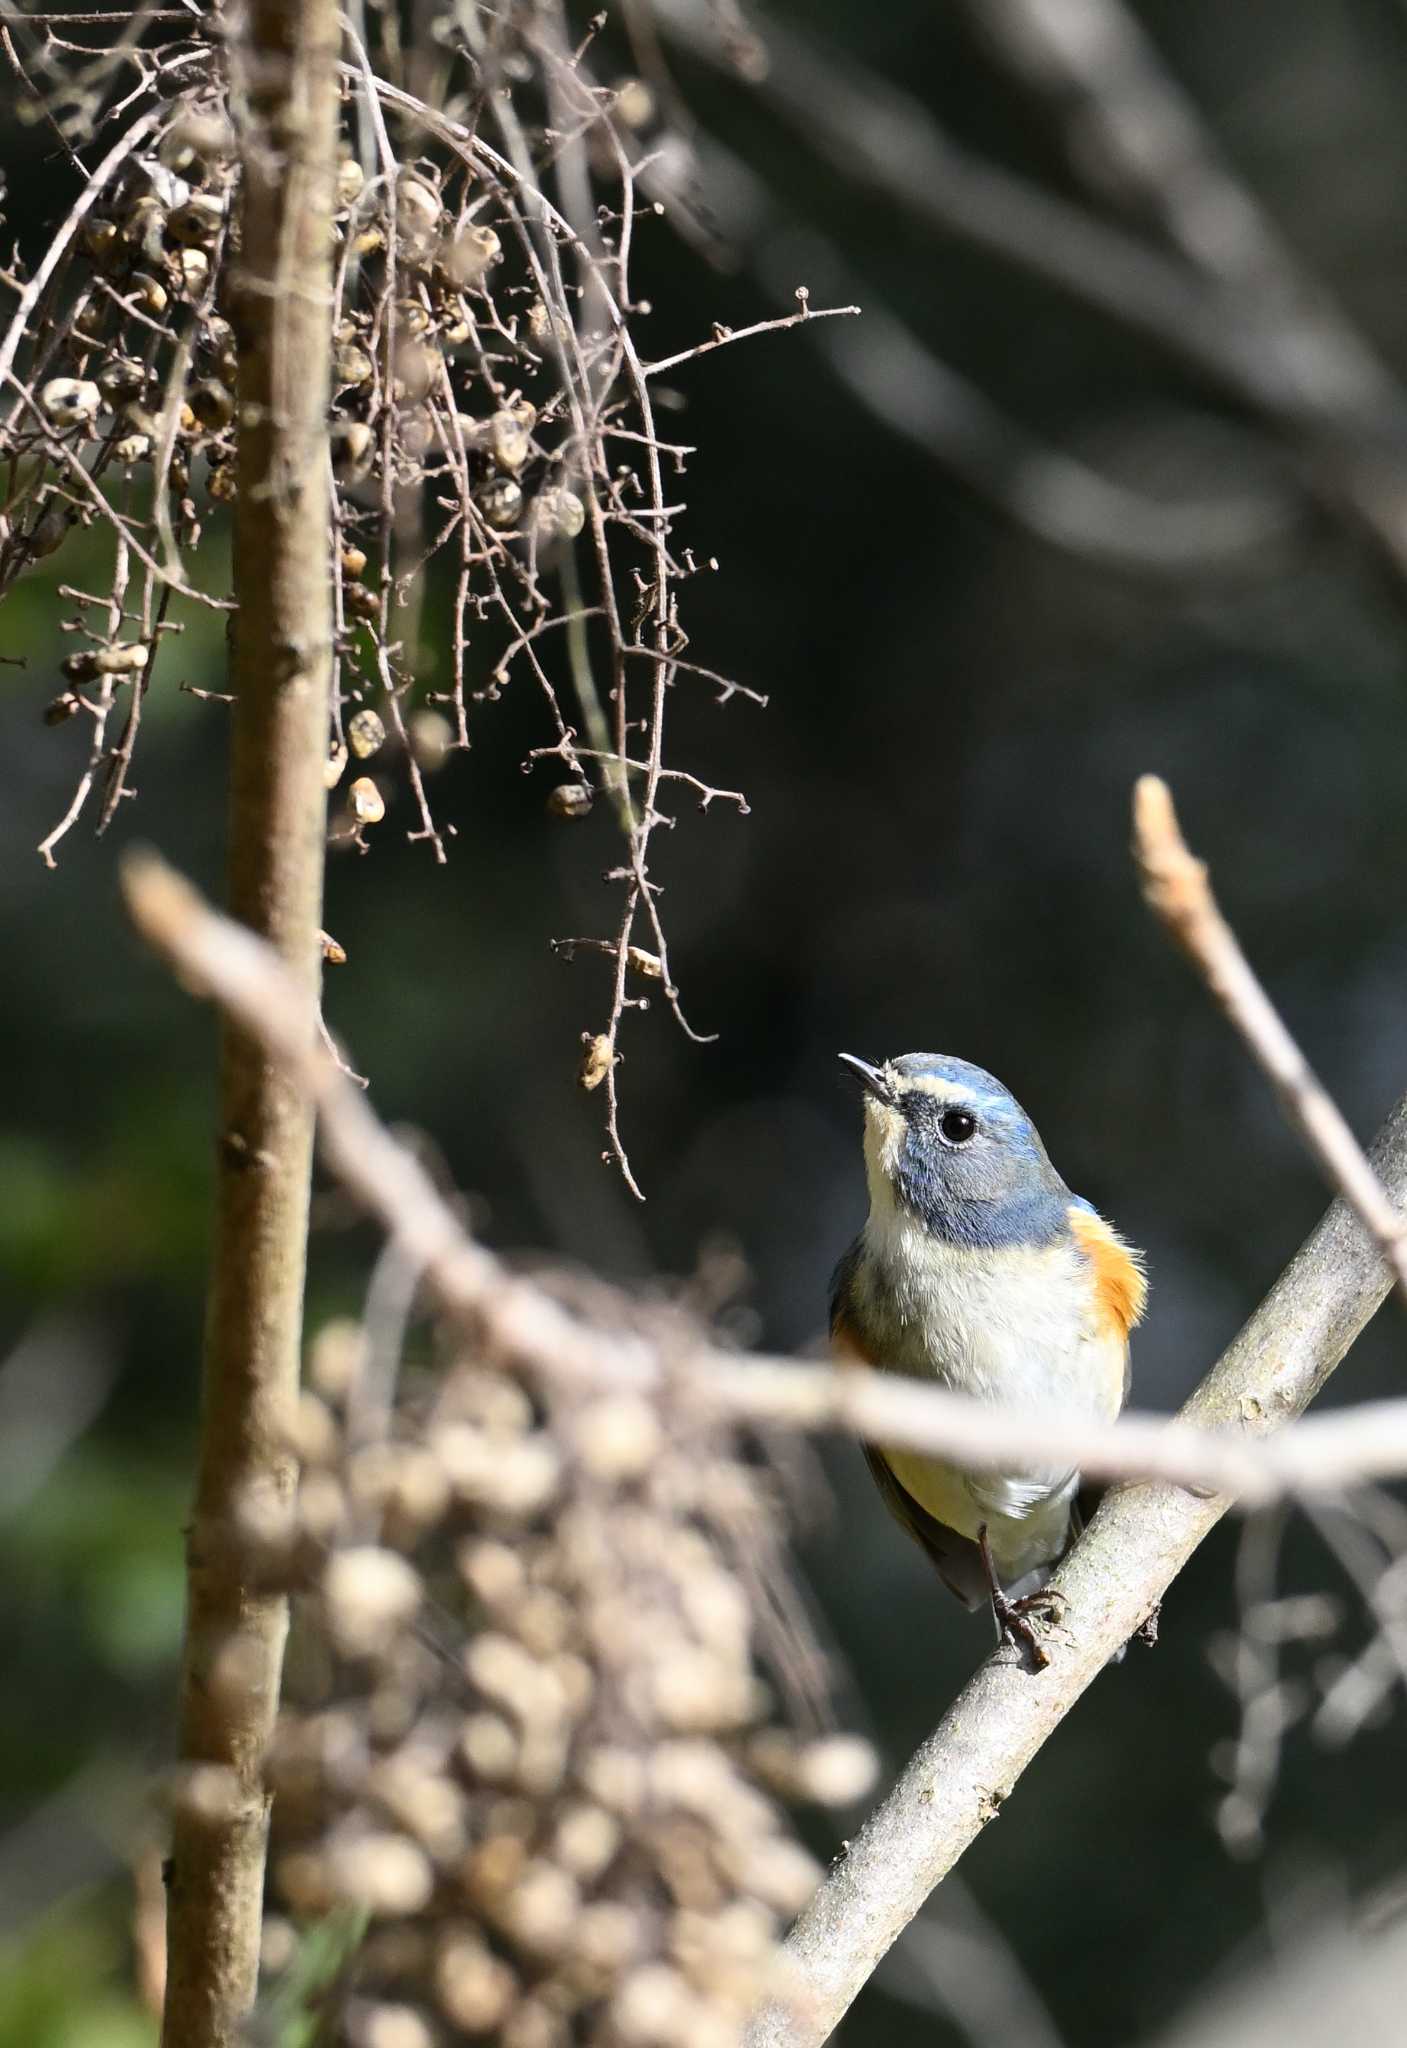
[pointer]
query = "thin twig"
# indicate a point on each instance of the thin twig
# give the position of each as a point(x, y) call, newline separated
point(724, 337)
point(127, 144)
point(1178, 890)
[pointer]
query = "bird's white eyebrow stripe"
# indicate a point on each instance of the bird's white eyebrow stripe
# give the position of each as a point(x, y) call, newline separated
point(951, 1092)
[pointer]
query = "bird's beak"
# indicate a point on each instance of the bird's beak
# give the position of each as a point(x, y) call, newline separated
point(872, 1078)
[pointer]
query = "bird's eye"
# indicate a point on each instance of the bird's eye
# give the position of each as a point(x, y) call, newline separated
point(957, 1125)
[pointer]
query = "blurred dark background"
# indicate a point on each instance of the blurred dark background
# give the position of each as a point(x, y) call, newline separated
point(935, 859)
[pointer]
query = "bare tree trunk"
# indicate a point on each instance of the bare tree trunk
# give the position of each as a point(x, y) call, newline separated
point(285, 102)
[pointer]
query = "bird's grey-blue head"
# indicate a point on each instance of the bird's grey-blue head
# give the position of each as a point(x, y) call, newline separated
point(946, 1143)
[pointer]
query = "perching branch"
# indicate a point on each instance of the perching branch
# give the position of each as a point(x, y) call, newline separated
point(286, 99)
point(1142, 1536)
point(1110, 1583)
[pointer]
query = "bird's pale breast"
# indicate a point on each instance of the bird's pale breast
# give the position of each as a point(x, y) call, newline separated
point(1026, 1325)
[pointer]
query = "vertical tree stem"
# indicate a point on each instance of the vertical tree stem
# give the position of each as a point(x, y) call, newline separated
point(284, 97)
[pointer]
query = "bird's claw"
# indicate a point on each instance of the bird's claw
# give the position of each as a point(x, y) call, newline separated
point(1016, 1621)
point(1011, 1615)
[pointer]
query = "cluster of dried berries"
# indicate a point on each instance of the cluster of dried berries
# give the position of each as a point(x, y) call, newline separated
point(533, 1746)
point(123, 399)
point(491, 407)
point(135, 391)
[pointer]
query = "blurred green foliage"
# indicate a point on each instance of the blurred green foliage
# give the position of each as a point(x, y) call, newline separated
point(62, 1984)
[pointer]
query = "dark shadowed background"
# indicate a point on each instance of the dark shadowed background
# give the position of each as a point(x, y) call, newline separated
point(935, 859)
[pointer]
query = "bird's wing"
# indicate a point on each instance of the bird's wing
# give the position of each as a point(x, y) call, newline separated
point(841, 1280)
point(1012, 1495)
point(956, 1559)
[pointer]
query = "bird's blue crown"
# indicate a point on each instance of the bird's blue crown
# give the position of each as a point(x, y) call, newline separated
point(960, 1154)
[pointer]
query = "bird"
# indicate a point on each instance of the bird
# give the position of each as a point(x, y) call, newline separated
point(978, 1269)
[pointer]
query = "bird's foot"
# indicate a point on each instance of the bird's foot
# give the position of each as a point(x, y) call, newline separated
point(1017, 1620)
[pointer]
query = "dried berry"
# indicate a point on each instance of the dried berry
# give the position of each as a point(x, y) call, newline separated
point(198, 223)
point(193, 271)
point(466, 256)
point(570, 799)
point(500, 500)
point(151, 295)
point(353, 447)
point(71, 401)
point(121, 378)
point(144, 227)
point(123, 659)
point(212, 404)
point(510, 435)
point(559, 514)
point(90, 320)
point(351, 365)
point(365, 801)
point(596, 1061)
point(418, 372)
point(103, 241)
point(365, 733)
point(418, 205)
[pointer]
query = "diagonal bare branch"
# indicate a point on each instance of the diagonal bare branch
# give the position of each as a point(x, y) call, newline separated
point(1111, 1583)
point(1179, 892)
